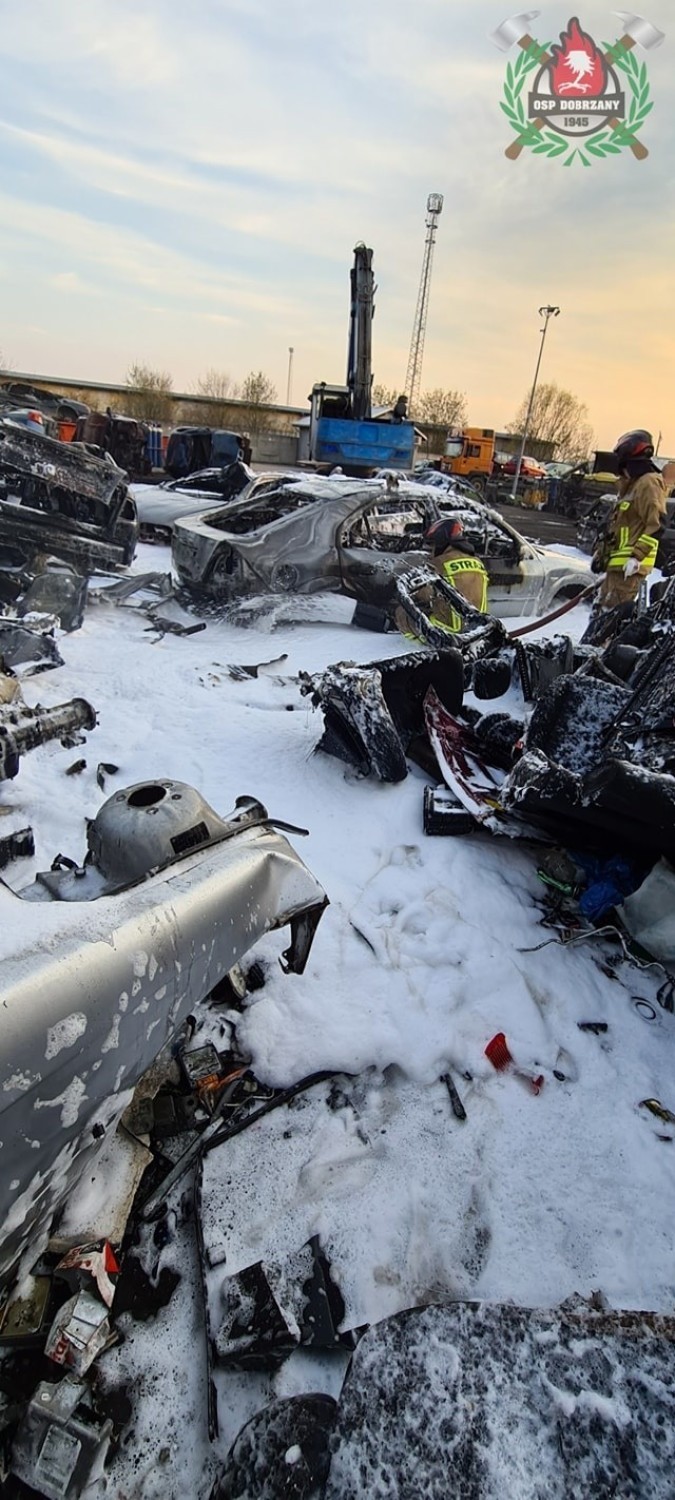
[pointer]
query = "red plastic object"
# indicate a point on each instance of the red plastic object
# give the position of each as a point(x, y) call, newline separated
point(498, 1053)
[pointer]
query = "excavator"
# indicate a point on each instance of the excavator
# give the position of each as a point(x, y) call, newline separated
point(343, 432)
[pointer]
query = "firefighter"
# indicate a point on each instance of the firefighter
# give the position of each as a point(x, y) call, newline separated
point(454, 560)
point(628, 553)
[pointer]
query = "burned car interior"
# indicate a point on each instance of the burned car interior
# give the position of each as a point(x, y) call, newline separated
point(262, 512)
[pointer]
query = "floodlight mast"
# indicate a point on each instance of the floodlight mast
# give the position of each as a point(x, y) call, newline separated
point(546, 313)
point(415, 358)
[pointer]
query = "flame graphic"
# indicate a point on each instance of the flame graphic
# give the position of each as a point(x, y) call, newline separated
point(578, 70)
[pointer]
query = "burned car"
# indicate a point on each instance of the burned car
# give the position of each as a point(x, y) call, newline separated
point(62, 499)
point(104, 961)
point(311, 535)
point(159, 506)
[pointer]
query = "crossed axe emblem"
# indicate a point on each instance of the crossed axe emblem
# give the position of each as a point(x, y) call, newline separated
point(637, 33)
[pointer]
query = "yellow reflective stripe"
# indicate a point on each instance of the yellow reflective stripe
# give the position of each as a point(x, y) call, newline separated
point(651, 545)
point(452, 626)
point(623, 553)
point(463, 565)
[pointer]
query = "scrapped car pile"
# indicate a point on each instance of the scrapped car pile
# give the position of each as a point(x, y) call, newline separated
point(133, 1116)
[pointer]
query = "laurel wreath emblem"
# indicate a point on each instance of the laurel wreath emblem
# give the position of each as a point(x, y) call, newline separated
point(608, 142)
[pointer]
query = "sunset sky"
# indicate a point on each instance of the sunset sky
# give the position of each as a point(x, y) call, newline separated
point(184, 186)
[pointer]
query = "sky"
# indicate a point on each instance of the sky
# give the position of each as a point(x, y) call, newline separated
point(184, 188)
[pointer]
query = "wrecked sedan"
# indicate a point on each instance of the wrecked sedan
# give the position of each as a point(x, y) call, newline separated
point(159, 506)
point(64, 499)
point(309, 535)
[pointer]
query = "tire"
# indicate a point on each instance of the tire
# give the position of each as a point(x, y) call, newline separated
point(491, 678)
point(284, 578)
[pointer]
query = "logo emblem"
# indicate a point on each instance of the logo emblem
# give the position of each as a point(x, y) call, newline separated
point(578, 100)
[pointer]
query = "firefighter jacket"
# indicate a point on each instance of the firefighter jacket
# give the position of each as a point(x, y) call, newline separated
point(467, 575)
point(637, 520)
point(464, 573)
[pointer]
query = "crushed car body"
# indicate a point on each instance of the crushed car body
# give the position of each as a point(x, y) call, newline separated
point(63, 499)
point(103, 962)
point(309, 535)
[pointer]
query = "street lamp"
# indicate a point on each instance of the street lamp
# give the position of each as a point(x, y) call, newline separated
point(289, 383)
point(546, 313)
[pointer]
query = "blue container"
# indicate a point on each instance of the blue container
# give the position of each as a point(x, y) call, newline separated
point(153, 448)
point(365, 445)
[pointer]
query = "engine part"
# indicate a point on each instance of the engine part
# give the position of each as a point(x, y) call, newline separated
point(60, 1441)
point(23, 729)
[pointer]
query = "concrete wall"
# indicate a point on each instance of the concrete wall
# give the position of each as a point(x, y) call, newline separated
point(278, 448)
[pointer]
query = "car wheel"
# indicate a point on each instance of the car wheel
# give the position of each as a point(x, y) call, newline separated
point(491, 678)
point(567, 594)
point(284, 578)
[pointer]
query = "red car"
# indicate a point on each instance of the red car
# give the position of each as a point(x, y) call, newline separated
point(529, 469)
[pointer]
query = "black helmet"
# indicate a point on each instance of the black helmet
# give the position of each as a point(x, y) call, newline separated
point(638, 444)
point(443, 534)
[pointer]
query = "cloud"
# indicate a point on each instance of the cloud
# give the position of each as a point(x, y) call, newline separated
point(205, 177)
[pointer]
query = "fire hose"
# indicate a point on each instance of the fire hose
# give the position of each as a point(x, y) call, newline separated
point(514, 635)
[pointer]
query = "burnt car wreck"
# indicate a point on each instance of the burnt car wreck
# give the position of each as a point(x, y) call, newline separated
point(170, 897)
point(594, 761)
point(64, 499)
point(292, 535)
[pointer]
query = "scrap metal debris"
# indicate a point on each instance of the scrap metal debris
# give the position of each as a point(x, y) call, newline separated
point(60, 498)
point(76, 769)
point(18, 845)
point(188, 894)
point(373, 713)
point(61, 1442)
point(103, 769)
point(573, 1401)
point(58, 592)
point(27, 651)
point(23, 729)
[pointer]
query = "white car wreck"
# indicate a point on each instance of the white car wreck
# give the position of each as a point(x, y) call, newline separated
point(309, 535)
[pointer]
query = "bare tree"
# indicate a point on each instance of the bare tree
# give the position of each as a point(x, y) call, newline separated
point(150, 397)
point(257, 392)
point(558, 418)
point(385, 395)
point(221, 390)
point(442, 408)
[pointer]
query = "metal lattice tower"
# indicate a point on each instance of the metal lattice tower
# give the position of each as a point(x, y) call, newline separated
point(416, 356)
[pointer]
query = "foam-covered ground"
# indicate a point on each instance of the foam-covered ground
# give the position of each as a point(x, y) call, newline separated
point(422, 956)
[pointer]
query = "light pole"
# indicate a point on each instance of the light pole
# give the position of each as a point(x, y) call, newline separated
point(546, 313)
point(289, 383)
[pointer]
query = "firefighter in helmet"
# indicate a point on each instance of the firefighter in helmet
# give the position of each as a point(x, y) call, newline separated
point(627, 554)
point(454, 559)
